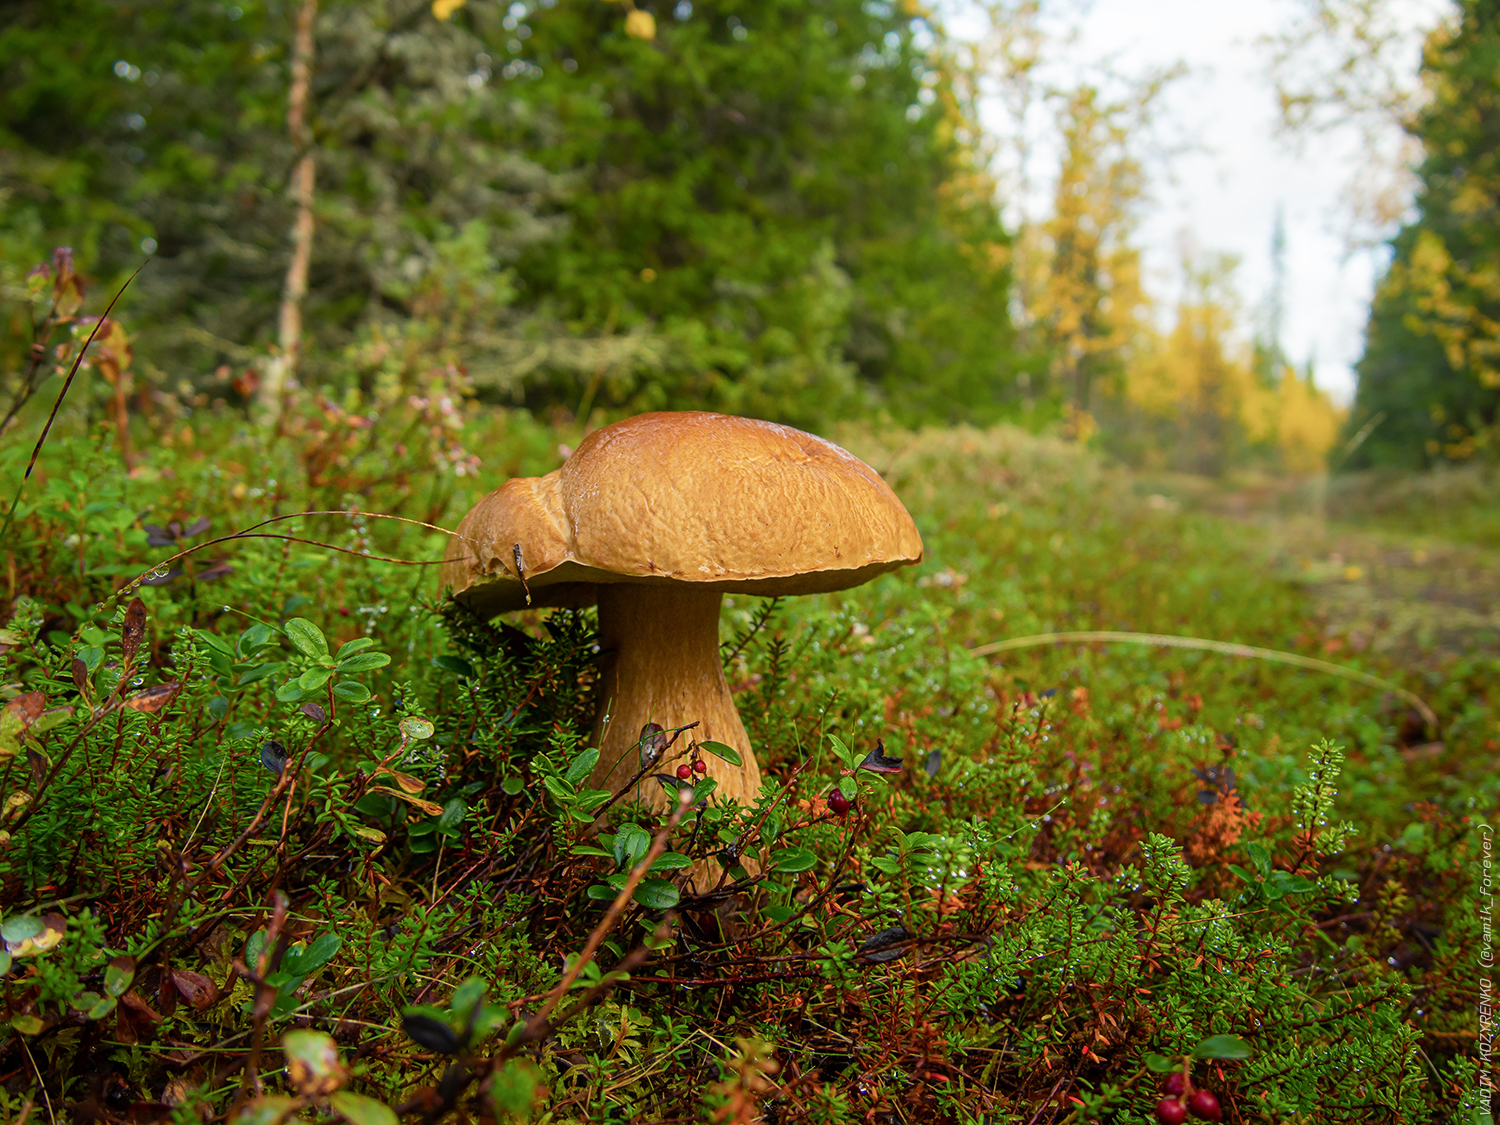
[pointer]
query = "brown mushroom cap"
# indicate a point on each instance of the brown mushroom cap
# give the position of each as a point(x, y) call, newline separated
point(726, 504)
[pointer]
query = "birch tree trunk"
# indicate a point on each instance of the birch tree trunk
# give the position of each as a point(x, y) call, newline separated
point(282, 369)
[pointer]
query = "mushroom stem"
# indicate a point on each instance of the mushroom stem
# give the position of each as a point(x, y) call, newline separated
point(661, 665)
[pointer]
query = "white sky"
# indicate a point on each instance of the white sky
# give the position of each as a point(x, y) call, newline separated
point(1224, 191)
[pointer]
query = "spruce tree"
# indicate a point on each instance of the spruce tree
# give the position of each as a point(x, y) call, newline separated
point(1429, 380)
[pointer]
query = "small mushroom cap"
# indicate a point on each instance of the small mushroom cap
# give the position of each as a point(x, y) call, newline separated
point(728, 504)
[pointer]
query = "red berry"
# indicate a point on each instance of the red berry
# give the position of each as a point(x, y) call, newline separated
point(1174, 1085)
point(1204, 1105)
point(1171, 1111)
point(700, 766)
point(838, 802)
point(685, 772)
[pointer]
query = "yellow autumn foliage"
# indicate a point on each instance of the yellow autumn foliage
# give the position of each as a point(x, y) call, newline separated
point(1197, 390)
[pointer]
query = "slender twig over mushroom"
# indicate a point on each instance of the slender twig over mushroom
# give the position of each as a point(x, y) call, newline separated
point(655, 519)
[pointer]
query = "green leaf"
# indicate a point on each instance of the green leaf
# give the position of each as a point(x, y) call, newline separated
point(513, 785)
point(657, 894)
point(779, 913)
point(101, 1008)
point(847, 756)
point(118, 975)
point(631, 843)
point(18, 927)
point(1291, 884)
point(363, 662)
point(1160, 1064)
point(358, 644)
point(49, 719)
point(261, 671)
point(257, 636)
point(601, 892)
point(312, 1061)
point(415, 729)
point(351, 692)
point(456, 664)
point(670, 861)
point(306, 638)
point(848, 788)
point(771, 829)
point(290, 692)
point(591, 799)
point(719, 750)
point(1223, 1047)
point(581, 766)
point(792, 860)
point(466, 996)
point(320, 952)
point(453, 813)
point(313, 679)
point(27, 1025)
point(360, 1110)
point(589, 849)
point(83, 1001)
point(1260, 858)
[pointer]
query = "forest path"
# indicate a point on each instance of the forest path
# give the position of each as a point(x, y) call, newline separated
point(1411, 596)
point(1415, 597)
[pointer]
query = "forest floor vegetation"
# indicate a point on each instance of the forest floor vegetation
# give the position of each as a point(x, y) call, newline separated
point(287, 836)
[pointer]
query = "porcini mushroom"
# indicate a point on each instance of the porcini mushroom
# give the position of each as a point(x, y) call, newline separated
point(654, 519)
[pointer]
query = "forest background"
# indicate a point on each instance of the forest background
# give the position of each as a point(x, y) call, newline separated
point(595, 209)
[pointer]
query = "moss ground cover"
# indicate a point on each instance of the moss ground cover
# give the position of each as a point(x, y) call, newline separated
point(288, 837)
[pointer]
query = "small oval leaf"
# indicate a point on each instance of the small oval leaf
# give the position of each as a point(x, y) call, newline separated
point(657, 894)
point(154, 698)
point(415, 729)
point(273, 756)
point(314, 678)
point(792, 860)
point(719, 750)
point(195, 988)
point(431, 1033)
point(582, 765)
point(363, 662)
point(133, 631)
point(312, 1063)
point(306, 638)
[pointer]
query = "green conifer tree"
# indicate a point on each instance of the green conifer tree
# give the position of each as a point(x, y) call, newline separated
point(1429, 381)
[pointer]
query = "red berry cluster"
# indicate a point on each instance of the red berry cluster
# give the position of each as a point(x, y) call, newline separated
point(1183, 1099)
point(685, 771)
